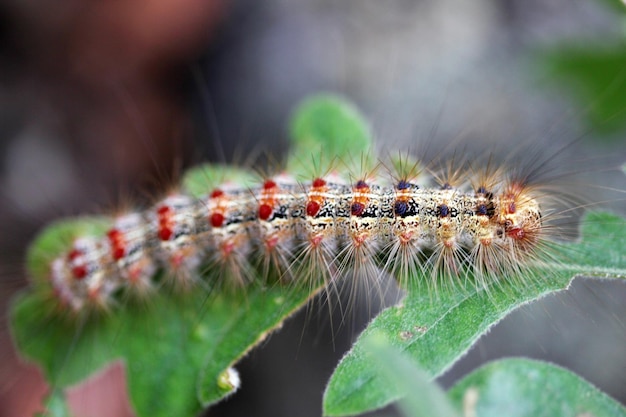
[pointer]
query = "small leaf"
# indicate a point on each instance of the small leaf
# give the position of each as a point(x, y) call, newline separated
point(201, 180)
point(436, 330)
point(329, 132)
point(528, 388)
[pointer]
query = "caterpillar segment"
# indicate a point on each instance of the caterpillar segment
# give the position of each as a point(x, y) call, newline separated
point(232, 216)
point(174, 227)
point(129, 248)
point(279, 225)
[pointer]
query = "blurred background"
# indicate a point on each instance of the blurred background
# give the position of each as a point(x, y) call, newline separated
point(102, 103)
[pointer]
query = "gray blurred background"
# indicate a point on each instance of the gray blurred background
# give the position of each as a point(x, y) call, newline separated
point(102, 104)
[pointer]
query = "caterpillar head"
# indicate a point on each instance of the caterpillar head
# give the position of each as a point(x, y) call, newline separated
point(519, 215)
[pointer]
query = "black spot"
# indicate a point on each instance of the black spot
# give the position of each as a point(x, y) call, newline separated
point(486, 209)
point(443, 210)
point(446, 186)
point(403, 185)
point(357, 209)
point(282, 214)
point(400, 208)
point(361, 184)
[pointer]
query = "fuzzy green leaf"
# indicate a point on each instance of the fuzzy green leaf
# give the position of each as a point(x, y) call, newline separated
point(203, 179)
point(329, 133)
point(175, 348)
point(527, 388)
point(435, 330)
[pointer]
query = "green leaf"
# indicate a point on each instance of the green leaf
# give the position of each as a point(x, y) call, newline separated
point(176, 348)
point(528, 388)
point(595, 76)
point(328, 132)
point(435, 330)
point(200, 180)
point(56, 239)
point(426, 398)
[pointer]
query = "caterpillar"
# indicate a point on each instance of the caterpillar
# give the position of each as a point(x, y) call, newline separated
point(227, 241)
point(491, 228)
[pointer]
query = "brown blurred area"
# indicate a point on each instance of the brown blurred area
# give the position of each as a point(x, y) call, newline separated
point(106, 80)
point(109, 76)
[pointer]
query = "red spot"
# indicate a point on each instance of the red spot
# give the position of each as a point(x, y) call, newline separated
point(217, 219)
point(516, 233)
point(357, 209)
point(312, 208)
point(271, 242)
point(406, 237)
point(165, 233)
point(164, 210)
point(165, 230)
point(114, 234)
point(227, 249)
point(94, 294)
point(118, 253)
point(116, 238)
point(265, 211)
point(74, 253)
point(316, 240)
point(177, 260)
point(360, 239)
point(318, 182)
point(269, 184)
point(512, 208)
point(217, 193)
point(79, 272)
point(134, 274)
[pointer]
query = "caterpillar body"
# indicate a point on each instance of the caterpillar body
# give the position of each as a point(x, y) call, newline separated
point(443, 228)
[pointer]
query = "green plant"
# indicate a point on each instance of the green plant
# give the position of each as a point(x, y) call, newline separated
point(179, 348)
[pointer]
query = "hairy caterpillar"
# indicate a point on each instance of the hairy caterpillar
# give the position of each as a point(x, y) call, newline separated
point(218, 244)
point(442, 230)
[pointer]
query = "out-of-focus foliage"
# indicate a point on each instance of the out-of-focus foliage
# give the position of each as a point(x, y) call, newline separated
point(594, 73)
